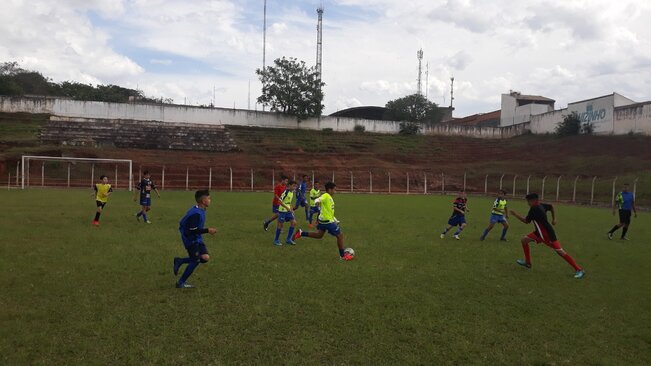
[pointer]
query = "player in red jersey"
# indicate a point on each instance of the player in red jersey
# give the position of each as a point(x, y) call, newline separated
point(279, 189)
point(543, 233)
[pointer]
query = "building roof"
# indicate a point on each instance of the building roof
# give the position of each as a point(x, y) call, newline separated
point(477, 119)
point(363, 112)
point(534, 98)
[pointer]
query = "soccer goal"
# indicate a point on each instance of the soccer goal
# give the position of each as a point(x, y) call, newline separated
point(56, 171)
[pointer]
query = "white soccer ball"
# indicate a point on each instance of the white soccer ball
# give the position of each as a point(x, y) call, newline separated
point(350, 251)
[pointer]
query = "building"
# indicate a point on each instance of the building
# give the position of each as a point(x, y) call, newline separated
point(518, 108)
point(490, 119)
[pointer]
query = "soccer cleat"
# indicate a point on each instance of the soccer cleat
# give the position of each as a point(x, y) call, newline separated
point(346, 257)
point(610, 236)
point(523, 263)
point(482, 238)
point(277, 243)
point(95, 223)
point(624, 238)
point(177, 265)
point(297, 235)
point(442, 236)
point(183, 285)
point(310, 226)
point(457, 237)
point(579, 274)
point(148, 222)
point(290, 242)
point(503, 239)
point(265, 226)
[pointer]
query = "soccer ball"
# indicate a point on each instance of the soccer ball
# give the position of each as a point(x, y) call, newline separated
point(350, 251)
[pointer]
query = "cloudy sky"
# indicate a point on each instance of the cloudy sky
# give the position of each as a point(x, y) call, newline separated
point(564, 49)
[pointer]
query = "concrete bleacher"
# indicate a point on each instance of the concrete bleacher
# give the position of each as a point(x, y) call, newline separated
point(136, 134)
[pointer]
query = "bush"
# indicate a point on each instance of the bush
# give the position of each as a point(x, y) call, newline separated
point(327, 130)
point(570, 126)
point(360, 128)
point(409, 128)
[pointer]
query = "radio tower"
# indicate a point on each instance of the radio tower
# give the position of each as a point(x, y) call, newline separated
point(419, 54)
point(319, 44)
point(452, 92)
point(264, 40)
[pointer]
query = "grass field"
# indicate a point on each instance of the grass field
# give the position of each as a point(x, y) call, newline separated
point(73, 294)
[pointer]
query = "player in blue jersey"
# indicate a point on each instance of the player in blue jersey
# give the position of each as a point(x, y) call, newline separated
point(499, 214)
point(286, 214)
point(625, 201)
point(458, 218)
point(144, 188)
point(301, 196)
point(191, 228)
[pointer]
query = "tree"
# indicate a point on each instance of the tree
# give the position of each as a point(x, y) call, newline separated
point(571, 126)
point(413, 108)
point(292, 88)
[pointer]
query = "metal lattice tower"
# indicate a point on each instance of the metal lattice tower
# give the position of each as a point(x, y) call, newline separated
point(264, 40)
point(319, 43)
point(419, 54)
point(452, 92)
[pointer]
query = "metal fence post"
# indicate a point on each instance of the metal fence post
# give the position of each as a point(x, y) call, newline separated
point(501, 180)
point(92, 174)
point(370, 181)
point(187, 178)
point(635, 187)
point(18, 174)
point(558, 187)
point(464, 181)
point(69, 174)
point(542, 193)
point(333, 176)
point(443, 183)
point(351, 182)
point(514, 179)
point(486, 185)
point(209, 178)
point(612, 198)
point(592, 192)
point(162, 179)
point(407, 183)
point(231, 181)
point(9, 182)
point(43, 174)
point(574, 189)
point(389, 182)
point(273, 178)
point(140, 172)
point(251, 180)
point(528, 179)
point(425, 177)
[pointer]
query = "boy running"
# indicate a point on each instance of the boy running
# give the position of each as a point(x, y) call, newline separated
point(327, 221)
point(543, 233)
point(315, 193)
point(286, 214)
point(102, 192)
point(191, 229)
point(279, 189)
point(145, 187)
point(301, 198)
point(499, 214)
point(625, 201)
point(458, 218)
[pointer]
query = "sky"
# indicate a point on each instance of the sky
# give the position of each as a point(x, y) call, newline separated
point(192, 50)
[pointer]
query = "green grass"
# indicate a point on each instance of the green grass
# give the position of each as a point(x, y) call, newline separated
point(73, 294)
point(21, 127)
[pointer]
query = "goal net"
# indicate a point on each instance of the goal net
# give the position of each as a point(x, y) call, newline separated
point(56, 171)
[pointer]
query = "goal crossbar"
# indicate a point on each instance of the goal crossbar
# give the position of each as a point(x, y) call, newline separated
point(26, 158)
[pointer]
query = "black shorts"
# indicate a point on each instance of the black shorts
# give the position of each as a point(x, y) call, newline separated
point(196, 250)
point(625, 216)
point(100, 204)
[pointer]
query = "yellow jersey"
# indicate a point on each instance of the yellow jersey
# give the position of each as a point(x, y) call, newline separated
point(101, 192)
point(287, 197)
point(327, 214)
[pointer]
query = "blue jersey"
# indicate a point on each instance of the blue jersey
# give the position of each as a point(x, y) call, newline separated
point(625, 201)
point(191, 226)
point(145, 186)
point(302, 188)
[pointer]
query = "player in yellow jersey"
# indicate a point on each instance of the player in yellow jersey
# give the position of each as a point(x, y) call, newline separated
point(286, 214)
point(327, 221)
point(102, 192)
point(315, 193)
point(499, 214)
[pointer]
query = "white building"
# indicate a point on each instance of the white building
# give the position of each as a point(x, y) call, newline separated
point(518, 108)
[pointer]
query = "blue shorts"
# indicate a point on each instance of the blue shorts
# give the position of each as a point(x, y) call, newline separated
point(285, 217)
point(457, 220)
point(331, 228)
point(497, 219)
point(315, 210)
point(274, 208)
point(301, 202)
point(145, 202)
point(196, 250)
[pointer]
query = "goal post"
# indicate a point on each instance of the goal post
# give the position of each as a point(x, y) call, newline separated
point(86, 171)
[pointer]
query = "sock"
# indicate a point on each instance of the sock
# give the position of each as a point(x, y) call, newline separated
point(309, 219)
point(290, 233)
point(192, 265)
point(277, 234)
point(571, 261)
point(527, 253)
point(144, 216)
point(266, 222)
point(306, 212)
point(139, 214)
point(504, 233)
point(614, 229)
point(624, 231)
point(483, 236)
point(445, 231)
point(459, 230)
point(97, 216)
point(341, 252)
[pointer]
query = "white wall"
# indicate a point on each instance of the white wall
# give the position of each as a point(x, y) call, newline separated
point(598, 112)
point(547, 122)
point(509, 105)
point(634, 118)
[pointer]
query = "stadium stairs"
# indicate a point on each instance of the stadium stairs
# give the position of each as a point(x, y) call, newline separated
point(137, 134)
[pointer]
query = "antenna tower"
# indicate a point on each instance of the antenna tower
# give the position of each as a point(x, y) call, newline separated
point(419, 54)
point(319, 43)
point(264, 41)
point(452, 92)
point(426, 80)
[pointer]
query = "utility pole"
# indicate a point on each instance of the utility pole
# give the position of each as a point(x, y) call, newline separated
point(419, 54)
point(264, 41)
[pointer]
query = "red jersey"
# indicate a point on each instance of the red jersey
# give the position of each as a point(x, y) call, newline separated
point(278, 191)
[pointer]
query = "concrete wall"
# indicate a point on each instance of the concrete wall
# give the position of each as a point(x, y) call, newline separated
point(509, 105)
point(547, 122)
point(634, 118)
point(513, 114)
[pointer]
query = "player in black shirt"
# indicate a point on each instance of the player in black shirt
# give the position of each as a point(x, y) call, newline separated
point(543, 233)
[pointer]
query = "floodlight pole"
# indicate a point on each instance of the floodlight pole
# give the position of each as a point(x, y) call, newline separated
point(574, 190)
point(514, 179)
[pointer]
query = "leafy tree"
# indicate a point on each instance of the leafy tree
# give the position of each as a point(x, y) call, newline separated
point(409, 128)
point(571, 126)
point(292, 88)
point(413, 108)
